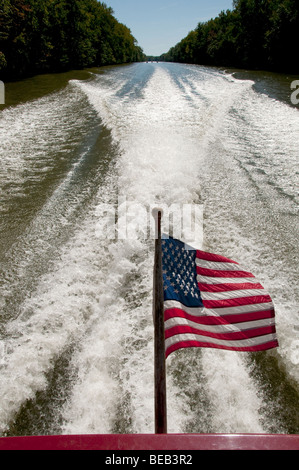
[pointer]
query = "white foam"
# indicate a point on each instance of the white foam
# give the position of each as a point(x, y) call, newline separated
point(30, 135)
point(235, 399)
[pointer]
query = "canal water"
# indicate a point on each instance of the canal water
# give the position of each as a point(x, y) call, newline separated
point(76, 329)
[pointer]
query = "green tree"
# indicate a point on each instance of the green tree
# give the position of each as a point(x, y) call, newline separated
point(253, 19)
point(53, 35)
point(14, 34)
point(255, 34)
point(282, 36)
point(221, 39)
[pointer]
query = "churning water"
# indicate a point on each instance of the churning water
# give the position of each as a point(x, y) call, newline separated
point(76, 344)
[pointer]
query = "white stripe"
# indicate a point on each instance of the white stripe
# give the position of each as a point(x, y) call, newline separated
point(233, 294)
point(202, 311)
point(226, 280)
point(243, 343)
point(195, 311)
point(228, 328)
point(202, 263)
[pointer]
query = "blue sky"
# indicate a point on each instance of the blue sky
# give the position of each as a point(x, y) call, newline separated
point(158, 25)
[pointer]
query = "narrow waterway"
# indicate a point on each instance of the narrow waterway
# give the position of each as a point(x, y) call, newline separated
point(76, 330)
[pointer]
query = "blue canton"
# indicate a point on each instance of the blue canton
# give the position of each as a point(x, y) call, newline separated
point(179, 273)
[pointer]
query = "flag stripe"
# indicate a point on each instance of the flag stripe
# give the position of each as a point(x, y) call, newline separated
point(221, 280)
point(189, 343)
point(218, 266)
point(222, 273)
point(226, 328)
point(257, 299)
point(227, 287)
point(234, 294)
point(231, 336)
point(212, 257)
point(242, 343)
point(216, 320)
point(202, 311)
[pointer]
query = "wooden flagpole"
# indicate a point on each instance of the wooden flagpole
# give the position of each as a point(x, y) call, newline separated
point(158, 312)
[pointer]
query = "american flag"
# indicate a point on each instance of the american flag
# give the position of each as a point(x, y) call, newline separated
point(211, 302)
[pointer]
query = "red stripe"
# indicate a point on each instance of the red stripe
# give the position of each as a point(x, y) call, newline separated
point(234, 335)
point(227, 287)
point(198, 344)
point(212, 257)
point(224, 319)
point(216, 273)
point(257, 299)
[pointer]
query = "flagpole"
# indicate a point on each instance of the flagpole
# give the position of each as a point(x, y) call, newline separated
point(158, 311)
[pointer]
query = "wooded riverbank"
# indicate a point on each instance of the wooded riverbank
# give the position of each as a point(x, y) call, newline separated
point(58, 35)
point(256, 34)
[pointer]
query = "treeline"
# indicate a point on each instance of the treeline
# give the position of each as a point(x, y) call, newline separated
point(38, 36)
point(255, 34)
